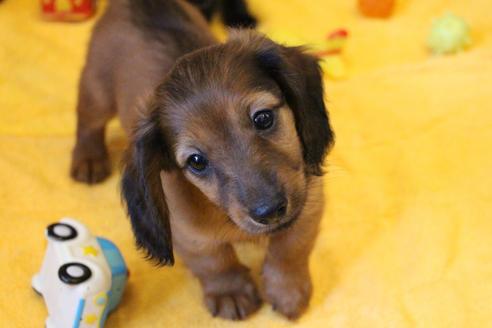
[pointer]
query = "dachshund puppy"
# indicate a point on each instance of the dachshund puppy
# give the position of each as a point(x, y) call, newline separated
point(232, 151)
point(234, 12)
point(228, 148)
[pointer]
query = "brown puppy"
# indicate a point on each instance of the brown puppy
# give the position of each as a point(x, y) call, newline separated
point(133, 46)
point(229, 148)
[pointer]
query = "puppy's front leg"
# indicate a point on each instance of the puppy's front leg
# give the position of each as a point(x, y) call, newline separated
point(229, 291)
point(286, 276)
point(286, 273)
point(90, 159)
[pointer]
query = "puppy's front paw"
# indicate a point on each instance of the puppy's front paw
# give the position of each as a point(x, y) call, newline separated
point(232, 296)
point(90, 169)
point(288, 292)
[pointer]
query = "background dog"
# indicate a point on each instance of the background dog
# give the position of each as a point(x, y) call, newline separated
point(234, 12)
point(228, 148)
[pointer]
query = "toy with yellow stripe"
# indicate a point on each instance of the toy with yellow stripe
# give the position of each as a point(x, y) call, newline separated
point(82, 277)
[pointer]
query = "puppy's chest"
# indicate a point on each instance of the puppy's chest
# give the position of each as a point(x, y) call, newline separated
point(207, 227)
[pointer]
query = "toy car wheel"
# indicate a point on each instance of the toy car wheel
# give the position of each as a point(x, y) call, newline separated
point(74, 273)
point(61, 231)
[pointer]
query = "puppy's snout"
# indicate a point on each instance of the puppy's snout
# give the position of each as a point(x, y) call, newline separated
point(268, 212)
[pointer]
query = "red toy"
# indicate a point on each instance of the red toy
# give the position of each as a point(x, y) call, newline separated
point(335, 42)
point(67, 10)
point(376, 8)
point(330, 55)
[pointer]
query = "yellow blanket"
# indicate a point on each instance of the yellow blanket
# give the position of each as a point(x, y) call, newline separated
point(406, 237)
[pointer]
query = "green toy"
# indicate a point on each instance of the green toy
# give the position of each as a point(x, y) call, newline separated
point(449, 34)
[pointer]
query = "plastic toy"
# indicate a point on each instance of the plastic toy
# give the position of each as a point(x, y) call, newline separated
point(331, 56)
point(449, 34)
point(82, 277)
point(376, 8)
point(335, 41)
point(329, 51)
point(67, 10)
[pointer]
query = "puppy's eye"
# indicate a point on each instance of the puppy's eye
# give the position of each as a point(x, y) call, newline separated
point(263, 119)
point(197, 163)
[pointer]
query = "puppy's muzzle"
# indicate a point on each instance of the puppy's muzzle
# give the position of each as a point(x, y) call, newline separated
point(270, 211)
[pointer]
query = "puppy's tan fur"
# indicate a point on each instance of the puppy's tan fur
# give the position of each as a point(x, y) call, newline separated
point(205, 97)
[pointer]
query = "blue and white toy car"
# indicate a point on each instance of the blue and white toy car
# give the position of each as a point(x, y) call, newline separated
point(82, 277)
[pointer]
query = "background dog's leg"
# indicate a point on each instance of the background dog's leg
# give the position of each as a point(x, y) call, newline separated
point(229, 291)
point(235, 14)
point(90, 161)
point(207, 7)
point(286, 276)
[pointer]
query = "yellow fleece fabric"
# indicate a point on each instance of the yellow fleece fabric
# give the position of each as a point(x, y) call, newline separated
point(406, 238)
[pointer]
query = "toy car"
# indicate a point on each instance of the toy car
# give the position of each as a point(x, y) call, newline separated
point(82, 277)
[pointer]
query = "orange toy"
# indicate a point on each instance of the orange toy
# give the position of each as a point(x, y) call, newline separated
point(67, 10)
point(376, 8)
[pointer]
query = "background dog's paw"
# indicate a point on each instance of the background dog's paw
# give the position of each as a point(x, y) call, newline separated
point(244, 20)
point(236, 301)
point(289, 295)
point(90, 170)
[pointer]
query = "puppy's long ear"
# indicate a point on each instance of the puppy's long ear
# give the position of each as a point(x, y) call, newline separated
point(142, 190)
point(300, 79)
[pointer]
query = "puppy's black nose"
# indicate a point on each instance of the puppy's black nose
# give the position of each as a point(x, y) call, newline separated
point(267, 213)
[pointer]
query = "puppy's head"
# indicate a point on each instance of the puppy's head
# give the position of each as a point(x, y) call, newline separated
point(245, 123)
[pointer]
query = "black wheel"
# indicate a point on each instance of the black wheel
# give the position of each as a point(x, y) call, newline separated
point(74, 273)
point(61, 231)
